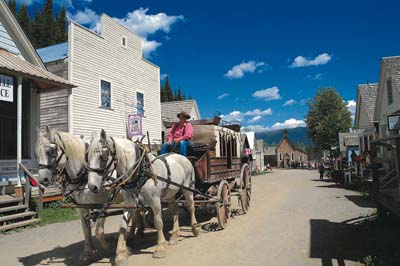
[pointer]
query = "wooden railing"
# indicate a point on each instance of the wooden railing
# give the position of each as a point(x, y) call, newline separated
point(27, 195)
point(388, 178)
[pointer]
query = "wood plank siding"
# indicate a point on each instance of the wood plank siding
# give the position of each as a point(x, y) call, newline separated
point(102, 57)
point(54, 104)
point(6, 42)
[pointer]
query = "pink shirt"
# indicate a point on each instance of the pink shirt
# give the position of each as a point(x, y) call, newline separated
point(181, 132)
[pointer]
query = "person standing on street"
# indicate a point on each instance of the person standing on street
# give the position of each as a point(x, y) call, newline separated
point(321, 170)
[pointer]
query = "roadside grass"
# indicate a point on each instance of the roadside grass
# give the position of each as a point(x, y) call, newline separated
point(54, 213)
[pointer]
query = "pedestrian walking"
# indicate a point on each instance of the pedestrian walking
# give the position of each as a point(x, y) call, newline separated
point(321, 170)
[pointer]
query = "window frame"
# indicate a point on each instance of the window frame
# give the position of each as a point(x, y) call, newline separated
point(137, 102)
point(122, 41)
point(389, 84)
point(111, 95)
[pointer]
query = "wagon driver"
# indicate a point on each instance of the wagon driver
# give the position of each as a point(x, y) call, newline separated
point(181, 134)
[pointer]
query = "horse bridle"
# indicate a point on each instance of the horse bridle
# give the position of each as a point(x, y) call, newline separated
point(60, 171)
point(106, 152)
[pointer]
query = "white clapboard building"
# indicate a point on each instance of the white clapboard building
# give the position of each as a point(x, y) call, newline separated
point(23, 78)
point(113, 82)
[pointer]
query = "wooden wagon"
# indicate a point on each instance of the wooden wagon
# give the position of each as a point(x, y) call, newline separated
point(222, 168)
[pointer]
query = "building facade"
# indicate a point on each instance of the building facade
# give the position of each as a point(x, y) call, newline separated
point(113, 82)
point(23, 78)
point(290, 156)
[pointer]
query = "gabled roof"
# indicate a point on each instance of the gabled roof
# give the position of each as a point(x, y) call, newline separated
point(53, 53)
point(270, 150)
point(367, 98)
point(251, 137)
point(170, 109)
point(390, 67)
point(18, 35)
point(285, 137)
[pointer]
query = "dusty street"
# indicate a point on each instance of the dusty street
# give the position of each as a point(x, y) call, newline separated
point(294, 220)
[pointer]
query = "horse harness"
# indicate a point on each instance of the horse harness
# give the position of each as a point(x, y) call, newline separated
point(106, 152)
point(63, 178)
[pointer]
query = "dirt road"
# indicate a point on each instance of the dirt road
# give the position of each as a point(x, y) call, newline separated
point(294, 220)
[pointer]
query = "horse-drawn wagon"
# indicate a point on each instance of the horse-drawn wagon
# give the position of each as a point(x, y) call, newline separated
point(222, 168)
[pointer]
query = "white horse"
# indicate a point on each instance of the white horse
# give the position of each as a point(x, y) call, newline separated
point(61, 158)
point(107, 154)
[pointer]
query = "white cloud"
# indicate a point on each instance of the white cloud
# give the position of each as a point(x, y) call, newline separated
point(223, 96)
point(301, 61)
point(268, 94)
point(351, 106)
point(137, 21)
point(238, 71)
point(86, 17)
point(315, 77)
point(304, 101)
point(163, 76)
point(240, 116)
point(255, 119)
point(290, 123)
point(259, 112)
point(289, 102)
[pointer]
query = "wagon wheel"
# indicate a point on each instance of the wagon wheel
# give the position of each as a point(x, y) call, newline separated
point(223, 207)
point(245, 193)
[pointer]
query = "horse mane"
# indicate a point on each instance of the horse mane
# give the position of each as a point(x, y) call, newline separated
point(74, 147)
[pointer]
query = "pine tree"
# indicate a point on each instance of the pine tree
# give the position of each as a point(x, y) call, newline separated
point(48, 24)
point(25, 21)
point(12, 5)
point(168, 91)
point(178, 95)
point(36, 30)
point(61, 26)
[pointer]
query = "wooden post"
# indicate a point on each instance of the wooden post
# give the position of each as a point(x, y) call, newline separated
point(40, 204)
point(18, 187)
point(398, 160)
point(27, 191)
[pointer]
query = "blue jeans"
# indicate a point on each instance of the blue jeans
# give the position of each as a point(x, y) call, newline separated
point(183, 144)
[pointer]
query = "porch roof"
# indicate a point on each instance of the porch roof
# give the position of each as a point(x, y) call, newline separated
point(13, 65)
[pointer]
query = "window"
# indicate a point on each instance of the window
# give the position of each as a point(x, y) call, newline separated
point(105, 94)
point(301, 158)
point(140, 103)
point(292, 156)
point(280, 156)
point(389, 85)
point(123, 42)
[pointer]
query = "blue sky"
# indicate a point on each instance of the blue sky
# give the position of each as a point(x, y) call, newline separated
point(257, 61)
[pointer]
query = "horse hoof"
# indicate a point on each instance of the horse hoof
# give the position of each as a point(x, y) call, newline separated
point(173, 242)
point(121, 261)
point(86, 258)
point(159, 254)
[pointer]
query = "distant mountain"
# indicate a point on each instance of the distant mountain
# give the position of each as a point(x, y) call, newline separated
point(296, 135)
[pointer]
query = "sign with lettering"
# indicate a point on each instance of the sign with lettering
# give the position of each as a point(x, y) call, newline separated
point(6, 88)
point(134, 125)
point(394, 122)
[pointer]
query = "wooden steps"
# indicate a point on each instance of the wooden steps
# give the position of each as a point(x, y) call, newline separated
point(19, 224)
point(17, 216)
point(13, 208)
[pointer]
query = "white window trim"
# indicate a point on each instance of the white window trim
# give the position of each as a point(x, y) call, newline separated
point(144, 102)
point(111, 94)
point(126, 41)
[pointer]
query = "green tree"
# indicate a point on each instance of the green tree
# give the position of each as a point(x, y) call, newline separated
point(36, 30)
point(179, 95)
point(24, 20)
point(327, 116)
point(48, 25)
point(61, 26)
point(12, 5)
point(169, 96)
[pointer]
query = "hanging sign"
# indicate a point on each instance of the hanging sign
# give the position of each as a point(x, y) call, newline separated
point(394, 122)
point(6, 88)
point(134, 125)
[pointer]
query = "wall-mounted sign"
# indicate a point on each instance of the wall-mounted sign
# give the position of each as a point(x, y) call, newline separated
point(6, 88)
point(393, 122)
point(134, 125)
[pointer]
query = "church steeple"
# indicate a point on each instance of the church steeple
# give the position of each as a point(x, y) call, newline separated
point(285, 133)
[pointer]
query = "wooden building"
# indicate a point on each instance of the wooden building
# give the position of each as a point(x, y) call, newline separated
point(23, 78)
point(113, 79)
point(288, 155)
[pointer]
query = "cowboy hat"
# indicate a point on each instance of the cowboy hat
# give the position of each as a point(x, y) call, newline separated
point(183, 113)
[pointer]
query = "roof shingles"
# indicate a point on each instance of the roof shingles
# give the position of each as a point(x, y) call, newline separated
point(368, 93)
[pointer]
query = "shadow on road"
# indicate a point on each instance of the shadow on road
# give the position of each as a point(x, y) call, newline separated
point(361, 201)
point(354, 240)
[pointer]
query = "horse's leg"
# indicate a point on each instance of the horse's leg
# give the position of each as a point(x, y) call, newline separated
point(100, 232)
point(122, 250)
point(173, 240)
point(136, 222)
point(158, 223)
point(190, 202)
point(88, 251)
